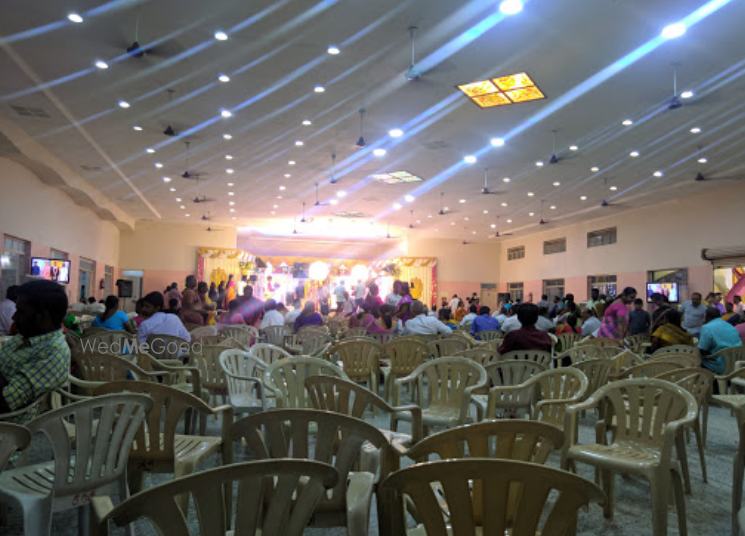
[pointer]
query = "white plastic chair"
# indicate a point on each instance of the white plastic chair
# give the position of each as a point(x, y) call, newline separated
point(285, 379)
point(245, 388)
point(268, 353)
point(94, 465)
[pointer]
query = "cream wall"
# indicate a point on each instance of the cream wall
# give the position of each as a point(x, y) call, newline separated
point(668, 235)
point(49, 219)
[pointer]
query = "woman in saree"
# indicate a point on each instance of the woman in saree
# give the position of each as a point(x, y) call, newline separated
point(191, 312)
point(404, 306)
point(615, 322)
point(208, 306)
point(231, 291)
point(669, 332)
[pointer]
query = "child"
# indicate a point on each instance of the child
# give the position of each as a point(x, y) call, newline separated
point(444, 316)
point(639, 320)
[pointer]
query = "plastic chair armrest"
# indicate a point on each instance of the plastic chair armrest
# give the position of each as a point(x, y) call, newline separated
point(359, 501)
point(416, 421)
point(101, 508)
point(737, 373)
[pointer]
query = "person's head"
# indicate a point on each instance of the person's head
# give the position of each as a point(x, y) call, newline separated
point(544, 297)
point(712, 313)
point(569, 297)
point(729, 307)
point(737, 299)
point(557, 299)
point(473, 309)
point(484, 310)
point(374, 290)
point(111, 303)
point(656, 299)
point(696, 299)
point(474, 295)
point(587, 314)
point(444, 314)
point(673, 317)
point(628, 295)
point(281, 308)
point(359, 281)
point(234, 306)
point(221, 286)
point(718, 297)
point(309, 308)
point(212, 286)
point(543, 311)
point(595, 294)
point(174, 285)
point(139, 303)
point(191, 281)
point(270, 305)
point(41, 307)
point(404, 288)
point(230, 278)
point(455, 296)
point(173, 304)
point(202, 288)
point(711, 297)
point(152, 303)
point(248, 292)
point(418, 308)
point(12, 293)
point(91, 300)
point(297, 304)
point(638, 304)
point(527, 314)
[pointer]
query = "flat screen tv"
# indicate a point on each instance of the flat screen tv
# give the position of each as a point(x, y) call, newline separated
point(666, 289)
point(51, 269)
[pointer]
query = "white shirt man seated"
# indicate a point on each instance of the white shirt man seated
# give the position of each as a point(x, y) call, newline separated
point(590, 322)
point(157, 322)
point(470, 317)
point(422, 324)
point(511, 323)
point(272, 317)
point(292, 315)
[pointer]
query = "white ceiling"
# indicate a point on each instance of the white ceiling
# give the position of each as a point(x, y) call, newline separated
point(598, 62)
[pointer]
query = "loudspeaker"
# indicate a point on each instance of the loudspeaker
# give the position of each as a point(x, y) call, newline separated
point(125, 288)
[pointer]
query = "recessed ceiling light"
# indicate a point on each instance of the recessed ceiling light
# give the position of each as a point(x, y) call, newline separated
point(279, 197)
point(509, 221)
point(671, 31)
point(511, 7)
point(333, 50)
point(230, 184)
point(319, 89)
point(504, 204)
point(307, 122)
point(231, 193)
point(486, 212)
point(224, 78)
point(149, 150)
point(702, 160)
point(291, 162)
point(379, 152)
point(473, 232)
point(613, 188)
point(187, 215)
point(299, 143)
point(232, 210)
point(462, 201)
point(583, 198)
point(467, 218)
point(530, 194)
point(158, 165)
point(282, 188)
point(695, 130)
point(395, 133)
point(531, 214)
point(229, 171)
point(493, 225)
point(74, 17)
point(227, 137)
point(429, 215)
point(333, 202)
point(397, 206)
point(446, 209)
point(228, 157)
point(506, 179)
point(101, 64)
point(419, 221)
point(595, 169)
point(231, 203)
point(627, 123)
point(409, 198)
point(341, 193)
point(539, 164)
point(573, 148)
point(166, 179)
point(226, 113)
point(497, 142)
point(123, 104)
point(470, 159)
point(137, 128)
point(234, 218)
point(452, 223)
point(172, 189)
point(552, 207)
point(178, 199)
point(275, 206)
point(557, 183)
point(272, 213)
point(182, 207)
point(221, 36)
point(502, 91)
point(634, 154)
point(686, 95)
point(657, 173)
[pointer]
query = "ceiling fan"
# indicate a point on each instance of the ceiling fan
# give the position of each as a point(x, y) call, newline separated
point(209, 229)
point(411, 220)
point(485, 190)
point(361, 142)
point(201, 198)
point(159, 48)
point(333, 179)
point(542, 222)
point(498, 234)
point(318, 203)
point(443, 209)
point(190, 174)
point(303, 220)
point(412, 73)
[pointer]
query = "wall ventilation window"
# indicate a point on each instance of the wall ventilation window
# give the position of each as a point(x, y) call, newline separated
point(516, 291)
point(58, 255)
point(604, 237)
point(14, 263)
point(555, 246)
point(516, 253)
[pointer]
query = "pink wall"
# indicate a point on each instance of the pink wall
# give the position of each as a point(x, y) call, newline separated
point(461, 288)
point(158, 280)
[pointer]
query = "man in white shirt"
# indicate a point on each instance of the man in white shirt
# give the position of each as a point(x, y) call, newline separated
point(8, 309)
point(590, 322)
point(454, 302)
point(394, 297)
point(468, 319)
point(359, 292)
point(503, 314)
point(693, 314)
point(542, 303)
point(292, 315)
point(422, 324)
point(339, 293)
point(272, 317)
point(510, 324)
point(739, 306)
point(543, 323)
point(157, 322)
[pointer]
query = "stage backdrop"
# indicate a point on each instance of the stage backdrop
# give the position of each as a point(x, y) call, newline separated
point(216, 264)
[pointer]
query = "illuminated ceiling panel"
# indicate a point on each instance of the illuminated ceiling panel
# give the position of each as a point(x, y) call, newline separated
point(502, 91)
point(351, 214)
point(396, 177)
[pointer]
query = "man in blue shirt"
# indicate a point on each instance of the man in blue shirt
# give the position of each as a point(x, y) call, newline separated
point(716, 335)
point(484, 321)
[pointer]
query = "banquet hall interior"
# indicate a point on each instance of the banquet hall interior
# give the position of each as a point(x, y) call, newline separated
point(389, 167)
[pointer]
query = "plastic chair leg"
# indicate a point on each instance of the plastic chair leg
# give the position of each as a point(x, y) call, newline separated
point(737, 478)
point(607, 478)
point(701, 453)
point(680, 446)
point(37, 516)
point(660, 493)
point(680, 502)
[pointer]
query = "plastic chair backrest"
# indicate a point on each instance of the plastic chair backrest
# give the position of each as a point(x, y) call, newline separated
point(312, 340)
point(236, 364)
point(276, 335)
point(383, 338)
point(491, 334)
point(208, 364)
point(697, 381)
point(359, 357)
point(635, 342)
point(732, 356)
point(649, 369)
point(677, 349)
point(684, 360)
point(448, 347)
point(558, 389)
point(285, 433)
point(482, 354)
point(107, 368)
point(447, 380)
point(286, 379)
point(354, 332)
point(602, 342)
point(202, 332)
point(268, 353)
point(107, 342)
point(105, 427)
point(246, 335)
point(597, 372)
point(406, 354)
point(13, 437)
point(275, 498)
point(526, 487)
point(166, 346)
point(512, 372)
point(578, 354)
point(538, 356)
point(567, 340)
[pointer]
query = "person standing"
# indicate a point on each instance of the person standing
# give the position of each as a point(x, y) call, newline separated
point(175, 294)
point(594, 297)
point(359, 293)
point(212, 293)
point(8, 309)
point(394, 297)
point(192, 310)
point(340, 295)
point(543, 302)
point(615, 324)
point(739, 306)
point(639, 321)
point(454, 302)
point(693, 314)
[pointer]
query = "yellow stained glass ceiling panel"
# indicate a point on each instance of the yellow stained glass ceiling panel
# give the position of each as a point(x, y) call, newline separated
point(511, 89)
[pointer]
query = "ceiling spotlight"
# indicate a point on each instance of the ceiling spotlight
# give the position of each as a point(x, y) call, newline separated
point(279, 197)
point(230, 171)
point(224, 78)
point(613, 188)
point(493, 225)
point(149, 150)
point(333, 50)
point(231, 193)
point(511, 7)
point(231, 203)
point(539, 164)
point(282, 188)
point(497, 142)
point(172, 190)
point(74, 17)
point(531, 214)
point(530, 194)
point(583, 198)
point(101, 64)
point(187, 215)
point(486, 212)
point(594, 169)
point(232, 210)
point(228, 157)
point(470, 159)
point(672, 31)
point(396, 133)
point(272, 213)
point(182, 207)
point(178, 199)
point(552, 207)
point(333, 202)
point(123, 104)
point(509, 221)
point(627, 123)
point(462, 201)
point(686, 95)
point(557, 183)
point(702, 160)
point(657, 174)
point(226, 113)
point(307, 122)
point(221, 36)
point(397, 206)
point(409, 198)
point(504, 204)
point(227, 137)
point(158, 165)
point(231, 184)
point(137, 128)
point(379, 152)
point(299, 143)
point(275, 206)
point(634, 154)
point(291, 162)
point(573, 148)
point(506, 179)
point(167, 179)
point(341, 193)
point(319, 89)
point(695, 130)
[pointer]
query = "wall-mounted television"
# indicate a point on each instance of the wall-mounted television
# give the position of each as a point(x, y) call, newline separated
point(666, 289)
point(51, 269)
